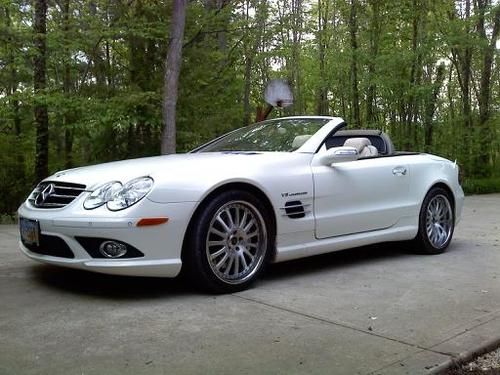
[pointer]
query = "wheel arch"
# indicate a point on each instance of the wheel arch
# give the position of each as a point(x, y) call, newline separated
point(443, 185)
point(245, 186)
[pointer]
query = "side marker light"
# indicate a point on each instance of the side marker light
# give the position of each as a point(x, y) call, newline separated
point(148, 221)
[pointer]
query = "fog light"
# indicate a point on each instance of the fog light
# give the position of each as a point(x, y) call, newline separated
point(112, 249)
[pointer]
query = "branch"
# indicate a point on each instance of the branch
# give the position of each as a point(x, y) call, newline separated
point(201, 33)
point(101, 38)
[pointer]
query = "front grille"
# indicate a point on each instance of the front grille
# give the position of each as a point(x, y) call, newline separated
point(49, 194)
point(51, 245)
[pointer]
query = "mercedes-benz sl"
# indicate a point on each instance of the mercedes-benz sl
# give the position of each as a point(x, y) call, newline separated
point(273, 191)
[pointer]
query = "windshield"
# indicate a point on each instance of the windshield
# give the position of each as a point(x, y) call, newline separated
point(273, 135)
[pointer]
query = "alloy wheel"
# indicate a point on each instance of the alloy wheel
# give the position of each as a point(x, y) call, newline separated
point(236, 242)
point(439, 221)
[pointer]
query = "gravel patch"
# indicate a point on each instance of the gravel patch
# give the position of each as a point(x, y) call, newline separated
point(487, 364)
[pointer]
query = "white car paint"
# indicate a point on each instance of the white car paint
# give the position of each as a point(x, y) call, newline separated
point(360, 196)
point(347, 204)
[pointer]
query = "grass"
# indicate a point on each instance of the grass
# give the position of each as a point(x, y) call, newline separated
point(8, 219)
point(481, 185)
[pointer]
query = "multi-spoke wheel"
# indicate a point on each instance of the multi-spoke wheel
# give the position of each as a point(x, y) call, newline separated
point(236, 242)
point(231, 242)
point(436, 222)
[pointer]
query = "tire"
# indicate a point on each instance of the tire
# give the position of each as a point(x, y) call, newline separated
point(436, 222)
point(229, 243)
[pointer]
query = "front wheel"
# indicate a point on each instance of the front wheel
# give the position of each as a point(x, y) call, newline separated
point(436, 222)
point(230, 242)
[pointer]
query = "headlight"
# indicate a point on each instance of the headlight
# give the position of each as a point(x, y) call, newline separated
point(102, 194)
point(131, 193)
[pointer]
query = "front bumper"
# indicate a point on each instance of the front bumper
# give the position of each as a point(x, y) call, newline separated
point(160, 244)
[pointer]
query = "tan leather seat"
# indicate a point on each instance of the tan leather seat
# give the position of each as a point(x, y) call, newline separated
point(299, 140)
point(363, 145)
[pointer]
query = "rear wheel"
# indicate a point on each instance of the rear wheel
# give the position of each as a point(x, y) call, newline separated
point(436, 222)
point(230, 242)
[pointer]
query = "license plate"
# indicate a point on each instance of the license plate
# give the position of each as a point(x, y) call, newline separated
point(30, 231)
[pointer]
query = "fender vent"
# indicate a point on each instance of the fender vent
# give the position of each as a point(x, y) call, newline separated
point(295, 209)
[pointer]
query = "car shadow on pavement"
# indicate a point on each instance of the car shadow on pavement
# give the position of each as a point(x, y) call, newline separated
point(338, 260)
point(79, 282)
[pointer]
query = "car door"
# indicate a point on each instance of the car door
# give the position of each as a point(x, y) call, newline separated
point(359, 196)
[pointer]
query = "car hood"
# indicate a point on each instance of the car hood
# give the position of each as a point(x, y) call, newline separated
point(172, 167)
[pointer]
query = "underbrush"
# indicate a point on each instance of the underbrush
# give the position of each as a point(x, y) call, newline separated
point(8, 219)
point(481, 185)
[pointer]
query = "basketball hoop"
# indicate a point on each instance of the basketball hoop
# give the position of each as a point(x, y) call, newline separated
point(278, 94)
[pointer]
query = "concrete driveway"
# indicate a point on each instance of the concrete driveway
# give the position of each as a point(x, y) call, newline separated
point(372, 310)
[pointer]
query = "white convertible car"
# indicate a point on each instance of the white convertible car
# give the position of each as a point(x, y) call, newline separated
point(277, 190)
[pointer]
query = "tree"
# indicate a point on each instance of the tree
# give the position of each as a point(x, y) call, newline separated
point(68, 116)
point(353, 30)
point(108, 76)
point(430, 102)
point(322, 40)
point(488, 48)
point(373, 41)
point(253, 41)
point(461, 57)
point(172, 71)
point(39, 84)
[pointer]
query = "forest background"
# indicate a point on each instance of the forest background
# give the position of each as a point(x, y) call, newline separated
point(82, 81)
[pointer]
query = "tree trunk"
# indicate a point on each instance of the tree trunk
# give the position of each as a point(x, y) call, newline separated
point(412, 100)
point(68, 116)
point(296, 73)
point(430, 106)
point(20, 172)
point(485, 86)
point(246, 92)
point(172, 71)
point(466, 75)
point(462, 60)
point(217, 7)
point(96, 54)
point(353, 29)
point(39, 83)
point(322, 104)
point(375, 30)
point(249, 54)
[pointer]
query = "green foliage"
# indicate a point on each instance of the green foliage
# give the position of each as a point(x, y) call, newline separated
point(14, 182)
point(105, 70)
point(481, 185)
point(8, 219)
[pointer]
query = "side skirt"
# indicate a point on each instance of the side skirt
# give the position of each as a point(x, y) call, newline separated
point(406, 229)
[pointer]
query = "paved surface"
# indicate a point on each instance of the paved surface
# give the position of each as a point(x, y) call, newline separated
point(373, 310)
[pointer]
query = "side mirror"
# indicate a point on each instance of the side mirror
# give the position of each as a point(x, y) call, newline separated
point(338, 155)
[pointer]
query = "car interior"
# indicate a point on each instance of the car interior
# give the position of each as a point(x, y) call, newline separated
point(363, 146)
point(369, 143)
point(376, 139)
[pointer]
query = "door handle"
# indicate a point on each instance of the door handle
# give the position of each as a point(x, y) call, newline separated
point(399, 171)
